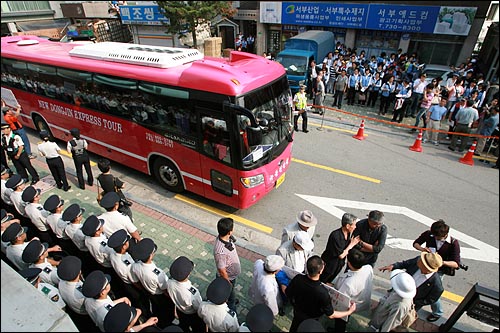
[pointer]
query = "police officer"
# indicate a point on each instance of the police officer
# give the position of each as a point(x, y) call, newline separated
point(114, 219)
point(55, 206)
point(185, 296)
point(122, 261)
point(15, 235)
point(259, 319)
point(96, 288)
point(123, 318)
point(6, 192)
point(38, 216)
point(14, 146)
point(72, 215)
point(32, 275)
point(50, 150)
point(7, 220)
point(154, 280)
point(36, 254)
point(215, 312)
point(78, 148)
point(69, 272)
point(17, 184)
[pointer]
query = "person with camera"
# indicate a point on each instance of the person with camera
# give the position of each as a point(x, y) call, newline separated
point(438, 240)
point(110, 183)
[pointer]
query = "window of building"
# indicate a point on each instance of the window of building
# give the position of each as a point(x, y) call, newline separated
point(24, 6)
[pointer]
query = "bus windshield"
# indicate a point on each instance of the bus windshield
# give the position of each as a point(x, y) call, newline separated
point(271, 108)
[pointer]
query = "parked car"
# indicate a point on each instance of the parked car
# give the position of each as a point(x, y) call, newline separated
point(434, 71)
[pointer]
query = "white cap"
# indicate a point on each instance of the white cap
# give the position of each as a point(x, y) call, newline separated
point(302, 238)
point(403, 283)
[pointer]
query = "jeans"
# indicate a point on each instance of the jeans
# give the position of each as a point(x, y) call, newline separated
point(437, 307)
point(421, 113)
point(22, 133)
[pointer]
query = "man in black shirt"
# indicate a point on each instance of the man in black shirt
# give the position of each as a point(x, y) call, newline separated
point(373, 233)
point(310, 299)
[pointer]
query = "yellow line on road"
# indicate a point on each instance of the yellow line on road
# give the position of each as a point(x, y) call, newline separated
point(65, 153)
point(216, 211)
point(347, 173)
point(338, 129)
point(452, 296)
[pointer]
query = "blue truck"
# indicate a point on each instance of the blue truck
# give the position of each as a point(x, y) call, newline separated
point(300, 50)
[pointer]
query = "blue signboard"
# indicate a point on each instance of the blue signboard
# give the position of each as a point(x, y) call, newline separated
point(388, 17)
point(341, 15)
point(146, 15)
point(402, 18)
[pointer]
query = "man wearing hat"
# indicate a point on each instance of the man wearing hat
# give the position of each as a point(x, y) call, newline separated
point(77, 147)
point(186, 297)
point(114, 219)
point(154, 280)
point(96, 288)
point(296, 251)
point(123, 318)
point(17, 184)
point(214, 311)
point(74, 216)
point(50, 150)
point(300, 103)
point(6, 192)
point(15, 235)
point(37, 215)
point(32, 275)
point(96, 241)
point(264, 288)
point(7, 220)
point(36, 254)
point(310, 299)
point(423, 269)
point(11, 118)
point(305, 221)
point(396, 304)
point(122, 261)
point(372, 233)
point(15, 148)
point(54, 205)
point(259, 319)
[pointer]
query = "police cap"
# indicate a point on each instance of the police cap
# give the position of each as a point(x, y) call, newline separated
point(144, 249)
point(69, 268)
point(14, 181)
point(75, 132)
point(6, 217)
point(30, 274)
point(181, 268)
point(91, 225)
point(72, 212)
point(118, 238)
point(119, 317)
point(13, 231)
point(33, 251)
point(4, 170)
point(109, 200)
point(30, 193)
point(310, 325)
point(218, 290)
point(260, 318)
point(53, 202)
point(44, 134)
point(94, 283)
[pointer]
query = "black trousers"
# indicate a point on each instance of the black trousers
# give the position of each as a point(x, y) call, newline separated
point(163, 308)
point(80, 162)
point(304, 121)
point(372, 98)
point(23, 166)
point(190, 322)
point(56, 167)
point(337, 98)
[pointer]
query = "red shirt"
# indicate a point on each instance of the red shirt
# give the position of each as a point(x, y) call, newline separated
point(12, 121)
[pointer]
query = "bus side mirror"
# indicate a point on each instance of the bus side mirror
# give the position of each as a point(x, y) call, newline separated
point(254, 135)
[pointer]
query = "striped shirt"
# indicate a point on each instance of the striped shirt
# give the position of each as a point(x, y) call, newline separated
point(226, 258)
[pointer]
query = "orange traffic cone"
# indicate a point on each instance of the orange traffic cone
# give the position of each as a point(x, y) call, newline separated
point(417, 146)
point(467, 159)
point(360, 135)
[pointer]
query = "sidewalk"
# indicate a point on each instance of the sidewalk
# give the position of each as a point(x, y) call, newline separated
point(175, 238)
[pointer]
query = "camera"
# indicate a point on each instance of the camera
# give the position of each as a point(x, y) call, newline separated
point(464, 267)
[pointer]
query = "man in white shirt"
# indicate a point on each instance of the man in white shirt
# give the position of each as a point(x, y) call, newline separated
point(264, 288)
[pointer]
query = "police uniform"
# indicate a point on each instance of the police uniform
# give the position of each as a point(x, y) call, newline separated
point(32, 253)
point(5, 218)
point(16, 196)
point(215, 312)
point(78, 148)
point(114, 219)
point(71, 291)
point(154, 280)
point(12, 143)
point(50, 150)
point(74, 232)
point(6, 193)
point(50, 205)
point(119, 317)
point(37, 215)
point(51, 292)
point(185, 296)
point(97, 309)
point(14, 252)
point(99, 249)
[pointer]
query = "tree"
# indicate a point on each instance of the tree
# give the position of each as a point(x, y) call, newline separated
point(188, 15)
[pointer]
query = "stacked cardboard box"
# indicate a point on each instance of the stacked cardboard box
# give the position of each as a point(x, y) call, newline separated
point(213, 47)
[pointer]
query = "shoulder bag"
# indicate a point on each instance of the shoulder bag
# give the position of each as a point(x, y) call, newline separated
point(410, 317)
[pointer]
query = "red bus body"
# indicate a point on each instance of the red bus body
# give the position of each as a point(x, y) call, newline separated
point(140, 147)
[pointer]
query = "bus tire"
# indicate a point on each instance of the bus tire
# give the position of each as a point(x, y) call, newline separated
point(167, 174)
point(41, 125)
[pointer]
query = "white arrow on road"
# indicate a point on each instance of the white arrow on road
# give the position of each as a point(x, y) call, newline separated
point(479, 251)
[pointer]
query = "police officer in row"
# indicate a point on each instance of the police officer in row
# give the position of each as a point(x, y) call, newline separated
point(123, 318)
point(36, 254)
point(77, 147)
point(38, 216)
point(32, 275)
point(50, 150)
point(14, 147)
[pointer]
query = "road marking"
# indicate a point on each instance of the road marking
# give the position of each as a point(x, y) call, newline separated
point(337, 129)
point(482, 251)
point(347, 173)
point(216, 211)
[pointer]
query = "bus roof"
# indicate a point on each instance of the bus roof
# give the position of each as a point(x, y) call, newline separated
point(241, 73)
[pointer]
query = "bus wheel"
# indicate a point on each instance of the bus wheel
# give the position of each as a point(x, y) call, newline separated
point(168, 175)
point(41, 125)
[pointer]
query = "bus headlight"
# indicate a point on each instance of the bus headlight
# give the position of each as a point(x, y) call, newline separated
point(253, 181)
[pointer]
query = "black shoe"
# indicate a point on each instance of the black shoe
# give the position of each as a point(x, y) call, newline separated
point(305, 131)
point(82, 187)
point(296, 129)
point(450, 148)
point(90, 184)
point(432, 318)
point(413, 130)
point(67, 189)
point(34, 181)
point(59, 186)
point(495, 167)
